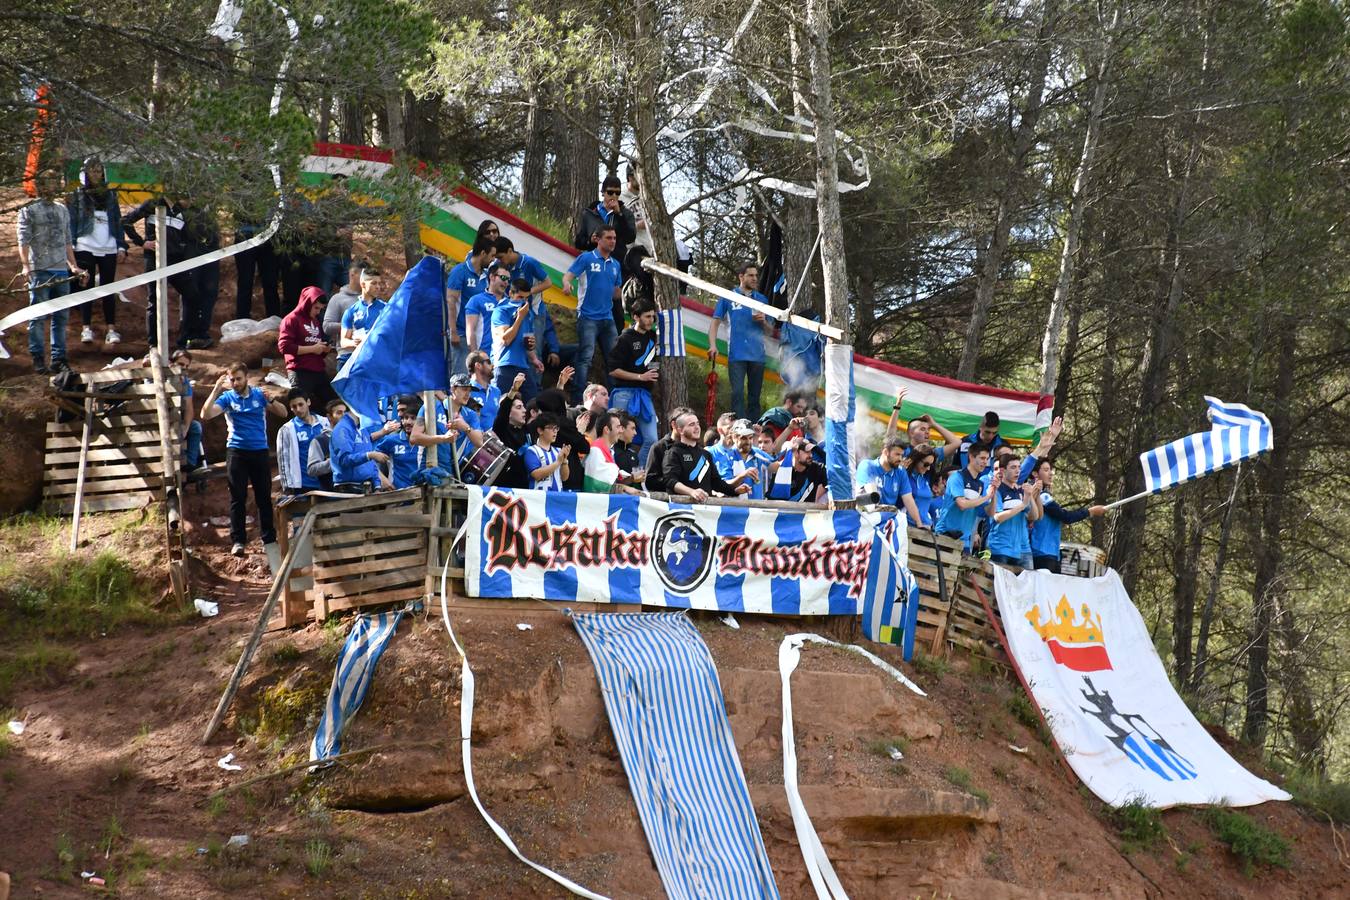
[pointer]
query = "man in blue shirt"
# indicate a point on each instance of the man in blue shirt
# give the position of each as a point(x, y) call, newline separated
point(745, 343)
point(361, 316)
point(987, 435)
point(465, 280)
point(356, 462)
point(482, 392)
point(478, 309)
point(596, 289)
point(744, 458)
point(887, 477)
point(513, 341)
point(1016, 503)
point(1045, 533)
point(293, 440)
point(522, 266)
point(246, 462)
point(965, 495)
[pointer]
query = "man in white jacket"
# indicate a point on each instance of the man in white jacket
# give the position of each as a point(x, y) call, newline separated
point(293, 440)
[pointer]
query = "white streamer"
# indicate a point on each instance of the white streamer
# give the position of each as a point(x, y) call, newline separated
point(818, 866)
point(69, 301)
point(465, 729)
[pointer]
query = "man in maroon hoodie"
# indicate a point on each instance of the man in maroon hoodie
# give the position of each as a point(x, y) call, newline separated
point(302, 341)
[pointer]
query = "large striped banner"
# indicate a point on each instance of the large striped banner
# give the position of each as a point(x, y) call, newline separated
point(452, 222)
point(620, 548)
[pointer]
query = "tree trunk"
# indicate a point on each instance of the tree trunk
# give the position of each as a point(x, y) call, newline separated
point(1307, 729)
point(673, 387)
point(612, 154)
point(1186, 543)
point(1070, 352)
point(833, 266)
point(1270, 549)
point(578, 161)
point(396, 116)
point(325, 127)
point(1153, 386)
point(534, 171)
point(351, 121)
point(1069, 252)
point(1105, 462)
point(1212, 593)
point(1007, 203)
point(799, 237)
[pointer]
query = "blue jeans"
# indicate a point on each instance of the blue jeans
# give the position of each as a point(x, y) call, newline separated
point(588, 331)
point(746, 377)
point(504, 376)
point(646, 435)
point(459, 357)
point(40, 288)
point(192, 445)
point(333, 272)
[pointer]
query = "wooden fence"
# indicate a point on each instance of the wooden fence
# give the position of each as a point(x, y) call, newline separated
point(123, 463)
point(389, 548)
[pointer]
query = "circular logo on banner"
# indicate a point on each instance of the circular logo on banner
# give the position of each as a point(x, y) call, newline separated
point(682, 552)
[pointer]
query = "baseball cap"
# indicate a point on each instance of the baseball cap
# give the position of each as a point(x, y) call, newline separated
point(461, 380)
point(742, 428)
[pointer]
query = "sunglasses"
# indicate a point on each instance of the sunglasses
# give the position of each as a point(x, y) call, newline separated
point(612, 193)
point(503, 277)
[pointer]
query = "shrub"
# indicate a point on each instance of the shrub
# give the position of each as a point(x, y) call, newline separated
point(1248, 840)
point(1140, 826)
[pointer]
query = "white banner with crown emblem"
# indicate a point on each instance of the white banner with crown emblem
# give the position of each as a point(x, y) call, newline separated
point(1082, 647)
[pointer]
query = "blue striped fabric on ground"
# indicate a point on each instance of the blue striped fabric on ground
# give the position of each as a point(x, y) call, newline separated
point(355, 670)
point(891, 599)
point(1236, 433)
point(669, 720)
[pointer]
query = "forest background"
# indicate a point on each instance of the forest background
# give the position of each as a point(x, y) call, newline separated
point(1129, 205)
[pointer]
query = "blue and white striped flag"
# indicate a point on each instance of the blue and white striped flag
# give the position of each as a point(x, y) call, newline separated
point(1236, 433)
point(890, 601)
point(669, 720)
point(670, 329)
point(355, 670)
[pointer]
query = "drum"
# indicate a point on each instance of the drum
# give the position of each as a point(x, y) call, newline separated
point(486, 462)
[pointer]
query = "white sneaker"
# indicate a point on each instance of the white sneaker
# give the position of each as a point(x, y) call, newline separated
point(86, 335)
point(237, 550)
point(112, 337)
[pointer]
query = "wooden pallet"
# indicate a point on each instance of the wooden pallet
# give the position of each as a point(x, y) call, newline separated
point(368, 551)
point(123, 462)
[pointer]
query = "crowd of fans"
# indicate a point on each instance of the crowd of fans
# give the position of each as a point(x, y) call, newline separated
point(589, 430)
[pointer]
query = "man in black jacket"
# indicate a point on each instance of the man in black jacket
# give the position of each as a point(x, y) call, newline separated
point(176, 244)
point(609, 210)
point(656, 476)
point(689, 471)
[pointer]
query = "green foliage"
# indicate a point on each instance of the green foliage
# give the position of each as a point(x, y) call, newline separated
point(285, 654)
point(960, 778)
point(1252, 843)
point(1140, 826)
point(283, 710)
point(884, 746)
point(74, 597)
point(933, 666)
point(1021, 709)
point(1330, 798)
point(318, 857)
point(38, 664)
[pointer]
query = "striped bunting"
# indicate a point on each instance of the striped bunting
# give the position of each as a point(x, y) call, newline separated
point(1237, 433)
point(891, 600)
point(355, 670)
point(666, 710)
point(670, 328)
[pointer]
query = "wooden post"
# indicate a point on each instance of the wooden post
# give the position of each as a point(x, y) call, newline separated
point(165, 419)
point(283, 574)
point(79, 475)
point(161, 284)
